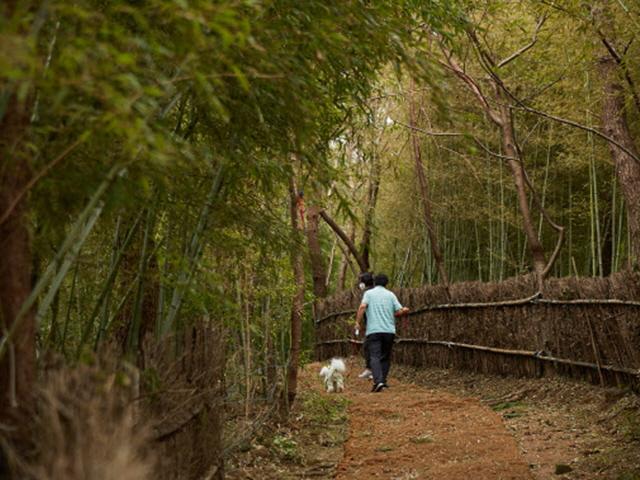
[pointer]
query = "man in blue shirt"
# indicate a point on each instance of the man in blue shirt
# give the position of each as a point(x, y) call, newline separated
point(382, 307)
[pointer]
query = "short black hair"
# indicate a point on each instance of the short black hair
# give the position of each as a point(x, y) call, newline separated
point(367, 279)
point(381, 279)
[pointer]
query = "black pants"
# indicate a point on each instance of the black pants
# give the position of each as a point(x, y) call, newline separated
point(380, 346)
point(366, 354)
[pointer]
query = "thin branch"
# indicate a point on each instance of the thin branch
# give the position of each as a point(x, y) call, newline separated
point(430, 133)
point(572, 123)
point(521, 105)
point(537, 355)
point(347, 241)
point(626, 48)
point(544, 88)
point(533, 41)
point(453, 66)
point(457, 134)
point(534, 299)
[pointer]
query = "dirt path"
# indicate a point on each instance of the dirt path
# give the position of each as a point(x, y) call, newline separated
point(410, 432)
point(444, 425)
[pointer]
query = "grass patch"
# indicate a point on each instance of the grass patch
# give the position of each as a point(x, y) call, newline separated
point(507, 406)
point(384, 448)
point(510, 409)
point(325, 408)
point(285, 447)
point(424, 438)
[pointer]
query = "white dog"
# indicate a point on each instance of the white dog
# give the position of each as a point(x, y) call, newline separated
point(333, 375)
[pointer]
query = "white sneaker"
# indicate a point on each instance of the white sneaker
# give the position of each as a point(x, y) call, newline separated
point(366, 374)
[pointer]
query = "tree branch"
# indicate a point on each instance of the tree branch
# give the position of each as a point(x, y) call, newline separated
point(521, 105)
point(345, 238)
point(533, 41)
point(453, 66)
point(557, 227)
point(458, 134)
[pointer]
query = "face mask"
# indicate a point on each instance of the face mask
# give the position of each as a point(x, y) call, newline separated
point(361, 285)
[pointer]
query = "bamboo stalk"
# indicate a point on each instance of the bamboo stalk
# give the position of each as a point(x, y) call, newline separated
point(106, 290)
point(134, 327)
point(192, 253)
point(74, 240)
point(68, 313)
point(68, 262)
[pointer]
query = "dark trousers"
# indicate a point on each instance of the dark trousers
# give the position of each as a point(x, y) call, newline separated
point(380, 346)
point(366, 354)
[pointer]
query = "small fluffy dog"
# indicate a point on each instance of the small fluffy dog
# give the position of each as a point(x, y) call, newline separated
point(333, 375)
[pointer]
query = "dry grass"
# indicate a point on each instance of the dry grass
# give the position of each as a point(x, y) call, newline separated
point(114, 421)
point(83, 427)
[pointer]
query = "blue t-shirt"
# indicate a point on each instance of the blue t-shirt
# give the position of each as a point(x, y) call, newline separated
point(381, 304)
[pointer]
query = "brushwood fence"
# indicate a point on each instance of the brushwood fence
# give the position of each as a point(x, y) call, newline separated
point(586, 328)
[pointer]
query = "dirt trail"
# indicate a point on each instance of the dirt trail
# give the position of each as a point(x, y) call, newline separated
point(410, 432)
point(461, 426)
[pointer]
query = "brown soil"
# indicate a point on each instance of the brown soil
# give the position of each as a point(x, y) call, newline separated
point(448, 425)
point(558, 423)
point(409, 432)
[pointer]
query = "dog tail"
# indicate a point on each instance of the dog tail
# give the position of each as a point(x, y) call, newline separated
point(337, 365)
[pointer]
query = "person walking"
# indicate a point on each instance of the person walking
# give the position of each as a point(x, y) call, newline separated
point(366, 284)
point(381, 307)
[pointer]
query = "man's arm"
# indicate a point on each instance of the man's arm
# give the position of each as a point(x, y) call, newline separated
point(398, 308)
point(361, 311)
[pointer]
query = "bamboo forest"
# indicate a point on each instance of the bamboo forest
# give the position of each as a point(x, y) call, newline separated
point(223, 223)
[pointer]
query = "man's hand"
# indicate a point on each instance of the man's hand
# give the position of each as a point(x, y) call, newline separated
point(402, 312)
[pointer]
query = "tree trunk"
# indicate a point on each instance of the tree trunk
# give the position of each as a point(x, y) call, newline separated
point(297, 265)
point(426, 201)
point(514, 160)
point(503, 118)
point(318, 266)
point(372, 199)
point(346, 264)
point(17, 366)
point(614, 123)
point(364, 267)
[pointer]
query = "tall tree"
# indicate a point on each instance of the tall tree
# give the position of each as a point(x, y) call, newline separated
point(316, 255)
point(613, 67)
point(17, 364)
point(297, 302)
point(499, 110)
point(614, 123)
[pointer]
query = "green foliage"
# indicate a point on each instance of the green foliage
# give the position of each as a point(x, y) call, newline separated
point(204, 110)
point(285, 447)
point(471, 188)
point(177, 126)
point(325, 409)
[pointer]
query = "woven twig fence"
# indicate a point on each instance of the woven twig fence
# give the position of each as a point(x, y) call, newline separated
point(586, 328)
